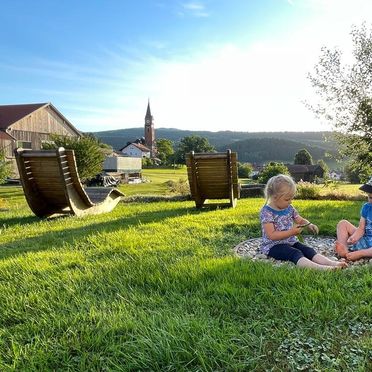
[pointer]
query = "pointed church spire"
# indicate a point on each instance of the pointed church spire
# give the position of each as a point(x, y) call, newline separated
point(148, 111)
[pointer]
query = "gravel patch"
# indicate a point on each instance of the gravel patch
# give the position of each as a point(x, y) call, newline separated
point(249, 249)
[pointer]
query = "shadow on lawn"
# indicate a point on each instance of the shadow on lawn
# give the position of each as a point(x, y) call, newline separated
point(56, 239)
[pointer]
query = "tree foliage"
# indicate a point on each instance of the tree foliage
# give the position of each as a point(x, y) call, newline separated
point(165, 150)
point(345, 97)
point(191, 143)
point(325, 168)
point(303, 157)
point(272, 169)
point(89, 153)
point(244, 170)
point(5, 167)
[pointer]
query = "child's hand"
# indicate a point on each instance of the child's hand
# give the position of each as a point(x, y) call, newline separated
point(351, 240)
point(313, 228)
point(296, 230)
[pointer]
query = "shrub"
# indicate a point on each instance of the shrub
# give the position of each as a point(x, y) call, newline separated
point(89, 153)
point(272, 169)
point(5, 167)
point(244, 170)
point(307, 190)
point(180, 187)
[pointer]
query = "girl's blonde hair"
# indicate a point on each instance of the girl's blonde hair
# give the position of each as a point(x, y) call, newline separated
point(279, 185)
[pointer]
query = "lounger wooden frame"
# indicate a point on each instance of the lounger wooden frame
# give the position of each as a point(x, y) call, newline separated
point(213, 176)
point(52, 185)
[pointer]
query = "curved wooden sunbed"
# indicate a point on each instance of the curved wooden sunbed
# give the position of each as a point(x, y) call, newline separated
point(213, 176)
point(52, 185)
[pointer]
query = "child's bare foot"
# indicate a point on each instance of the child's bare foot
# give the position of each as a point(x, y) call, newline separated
point(341, 249)
point(341, 264)
point(355, 256)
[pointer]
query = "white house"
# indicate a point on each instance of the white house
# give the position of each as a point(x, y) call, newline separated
point(136, 150)
point(335, 175)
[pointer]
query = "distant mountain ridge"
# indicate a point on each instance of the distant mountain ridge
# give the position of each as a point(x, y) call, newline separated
point(251, 147)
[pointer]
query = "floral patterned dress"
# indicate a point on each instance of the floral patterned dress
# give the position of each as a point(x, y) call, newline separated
point(282, 220)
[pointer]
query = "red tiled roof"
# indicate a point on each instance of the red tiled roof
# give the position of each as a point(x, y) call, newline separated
point(6, 136)
point(138, 145)
point(9, 114)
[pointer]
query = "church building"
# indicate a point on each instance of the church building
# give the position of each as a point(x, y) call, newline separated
point(150, 132)
point(144, 147)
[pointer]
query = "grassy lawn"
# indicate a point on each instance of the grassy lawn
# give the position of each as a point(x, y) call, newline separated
point(155, 286)
point(156, 184)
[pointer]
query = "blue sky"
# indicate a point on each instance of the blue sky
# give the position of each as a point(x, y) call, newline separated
point(205, 65)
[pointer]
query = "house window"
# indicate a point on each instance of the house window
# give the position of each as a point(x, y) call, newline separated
point(24, 144)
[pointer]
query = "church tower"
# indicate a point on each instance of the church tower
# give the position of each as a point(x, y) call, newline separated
point(150, 131)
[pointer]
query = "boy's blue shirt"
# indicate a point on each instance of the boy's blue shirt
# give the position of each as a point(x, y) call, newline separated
point(366, 213)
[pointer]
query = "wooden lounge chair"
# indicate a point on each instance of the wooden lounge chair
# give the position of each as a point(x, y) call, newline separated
point(52, 186)
point(213, 176)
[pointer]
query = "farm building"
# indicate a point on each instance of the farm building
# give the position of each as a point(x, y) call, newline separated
point(126, 168)
point(29, 125)
point(305, 172)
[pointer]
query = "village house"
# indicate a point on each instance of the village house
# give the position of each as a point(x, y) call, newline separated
point(136, 150)
point(29, 126)
point(335, 175)
point(302, 172)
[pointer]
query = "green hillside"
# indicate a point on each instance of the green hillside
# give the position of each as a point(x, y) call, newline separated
point(260, 150)
point(255, 147)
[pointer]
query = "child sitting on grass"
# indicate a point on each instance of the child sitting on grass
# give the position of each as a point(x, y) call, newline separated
point(279, 234)
point(355, 243)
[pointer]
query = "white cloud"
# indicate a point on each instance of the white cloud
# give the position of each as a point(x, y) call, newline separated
point(196, 9)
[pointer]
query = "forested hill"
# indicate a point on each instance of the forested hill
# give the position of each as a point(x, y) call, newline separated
point(253, 147)
point(261, 150)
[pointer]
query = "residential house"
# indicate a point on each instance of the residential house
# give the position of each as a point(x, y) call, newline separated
point(136, 150)
point(302, 172)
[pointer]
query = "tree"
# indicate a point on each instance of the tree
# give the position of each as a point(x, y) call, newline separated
point(352, 173)
point(165, 150)
point(272, 169)
point(325, 168)
point(5, 167)
point(303, 157)
point(244, 169)
point(345, 97)
point(89, 153)
point(191, 143)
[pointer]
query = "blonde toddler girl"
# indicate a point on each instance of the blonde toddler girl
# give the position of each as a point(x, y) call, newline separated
point(281, 223)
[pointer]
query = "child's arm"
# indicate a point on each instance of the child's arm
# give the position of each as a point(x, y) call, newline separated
point(279, 235)
point(358, 233)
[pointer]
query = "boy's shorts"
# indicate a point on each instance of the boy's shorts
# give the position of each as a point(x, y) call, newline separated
point(363, 243)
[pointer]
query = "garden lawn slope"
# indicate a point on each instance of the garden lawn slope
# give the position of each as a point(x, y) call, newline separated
point(155, 286)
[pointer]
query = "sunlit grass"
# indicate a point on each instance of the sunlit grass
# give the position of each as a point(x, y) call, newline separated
point(155, 286)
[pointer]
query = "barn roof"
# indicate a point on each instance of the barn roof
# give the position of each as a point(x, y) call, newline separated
point(10, 114)
point(6, 136)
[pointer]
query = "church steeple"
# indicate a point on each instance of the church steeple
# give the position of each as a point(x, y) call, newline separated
point(148, 111)
point(150, 130)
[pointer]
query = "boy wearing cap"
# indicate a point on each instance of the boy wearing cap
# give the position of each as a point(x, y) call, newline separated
point(353, 242)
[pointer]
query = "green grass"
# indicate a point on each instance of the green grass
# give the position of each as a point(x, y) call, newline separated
point(156, 184)
point(155, 286)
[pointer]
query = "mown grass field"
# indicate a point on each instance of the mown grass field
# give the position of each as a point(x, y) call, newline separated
point(156, 287)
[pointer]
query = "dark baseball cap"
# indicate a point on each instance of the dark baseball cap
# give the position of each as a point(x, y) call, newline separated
point(367, 187)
